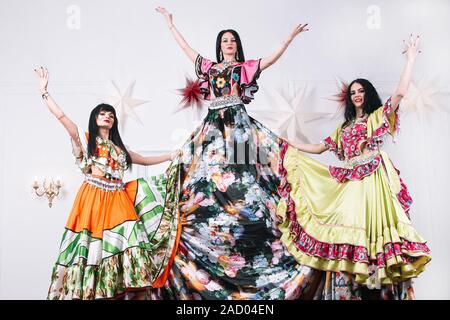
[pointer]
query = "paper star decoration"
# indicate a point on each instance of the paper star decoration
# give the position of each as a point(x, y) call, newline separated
point(192, 96)
point(340, 96)
point(420, 98)
point(287, 117)
point(125, 104)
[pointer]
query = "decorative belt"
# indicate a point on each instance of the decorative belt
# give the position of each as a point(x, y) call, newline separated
point(104, 184)
point(223, 102)
point(358, 161)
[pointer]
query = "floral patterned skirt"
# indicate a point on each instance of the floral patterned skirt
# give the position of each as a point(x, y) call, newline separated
point(110, 246)
point(229, 242)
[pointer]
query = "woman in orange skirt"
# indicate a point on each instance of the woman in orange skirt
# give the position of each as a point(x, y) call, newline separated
point(110, 245)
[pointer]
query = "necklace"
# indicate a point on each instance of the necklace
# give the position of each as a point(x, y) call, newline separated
point(358, 119)
point(226, 64)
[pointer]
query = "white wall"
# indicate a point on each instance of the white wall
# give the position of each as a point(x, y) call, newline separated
point(128, 40)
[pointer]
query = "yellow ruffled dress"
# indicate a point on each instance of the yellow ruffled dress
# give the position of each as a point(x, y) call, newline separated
point(354, 218)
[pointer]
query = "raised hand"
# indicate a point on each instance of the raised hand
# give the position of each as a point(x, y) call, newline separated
point(166, 15)
point(411, 51)
point(412, 47)
point(297, 30)
point(42, 74)
point(191, 53)
point(267, 62)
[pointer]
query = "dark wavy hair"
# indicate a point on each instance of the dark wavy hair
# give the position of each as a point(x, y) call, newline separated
point(372, 100)
point(114, 135)
point(240, 52)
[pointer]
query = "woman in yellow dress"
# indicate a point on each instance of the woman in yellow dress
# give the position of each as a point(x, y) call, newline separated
point(354, 219)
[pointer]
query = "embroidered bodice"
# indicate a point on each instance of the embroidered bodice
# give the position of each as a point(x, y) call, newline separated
point(358, 144)
point(238, 79)
point(108, 162)
point(225, 81)
point(352, 138)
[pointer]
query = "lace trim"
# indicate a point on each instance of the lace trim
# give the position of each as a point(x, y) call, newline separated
point(103, 184)
point(225, 101)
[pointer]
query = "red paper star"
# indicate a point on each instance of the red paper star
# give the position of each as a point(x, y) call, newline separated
point(191, 94)
point(340, 96)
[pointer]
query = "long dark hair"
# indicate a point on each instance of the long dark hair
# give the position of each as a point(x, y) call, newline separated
point(240, 52)
point(372, 100)
point(114, 135)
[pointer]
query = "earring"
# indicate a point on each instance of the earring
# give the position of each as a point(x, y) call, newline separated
point(221, 55)
point(237, 56)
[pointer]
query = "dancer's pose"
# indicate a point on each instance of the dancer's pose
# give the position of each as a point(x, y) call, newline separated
point(227, 245)
point(109, 247)
point(354, 219)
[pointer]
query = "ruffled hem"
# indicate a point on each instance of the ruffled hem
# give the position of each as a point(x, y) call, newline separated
point(398, 255)
point(115, 275)
point(249, 86)
point(333, 147)
point(398, 268)
point(390, 125)
point(358, 172)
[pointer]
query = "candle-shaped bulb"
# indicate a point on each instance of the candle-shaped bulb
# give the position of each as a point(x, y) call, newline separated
point(35, 182)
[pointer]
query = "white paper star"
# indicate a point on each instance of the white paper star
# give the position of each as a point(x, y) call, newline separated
point(420, 98)
point(287, 117)
point(125, 104)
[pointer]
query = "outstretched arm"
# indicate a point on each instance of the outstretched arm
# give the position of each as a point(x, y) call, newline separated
point(411, 53)
point(151, 160)
point(267, 62)
point(191, 53)
point(316, 148)
point(71, 128)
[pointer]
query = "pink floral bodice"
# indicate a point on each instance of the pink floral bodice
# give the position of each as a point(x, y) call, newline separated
point(358, 144)
point(352, 137)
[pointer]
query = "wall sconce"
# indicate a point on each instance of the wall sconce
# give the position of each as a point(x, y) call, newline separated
point(50, 190)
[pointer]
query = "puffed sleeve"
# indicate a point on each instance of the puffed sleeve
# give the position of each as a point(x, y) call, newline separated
point(333, 143)
point(380, 123)
point(250, 72)
point(79, 148)
point(202, 67)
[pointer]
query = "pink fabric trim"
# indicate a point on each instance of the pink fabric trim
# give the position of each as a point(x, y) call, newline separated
point(378, 136)
point(332, 146)
point(358, 172)
point(250, 71)
point(330, 251)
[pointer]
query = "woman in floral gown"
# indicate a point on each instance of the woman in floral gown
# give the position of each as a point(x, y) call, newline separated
point(114, 244)
point(227, 244)
point(354, 220)
point(224, 191)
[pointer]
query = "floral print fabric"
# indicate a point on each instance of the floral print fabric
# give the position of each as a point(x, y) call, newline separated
point(229, 244)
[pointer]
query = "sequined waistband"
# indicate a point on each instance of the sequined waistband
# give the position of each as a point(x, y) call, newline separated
point(223, 102)
point(359, 161)
point(104, 184)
